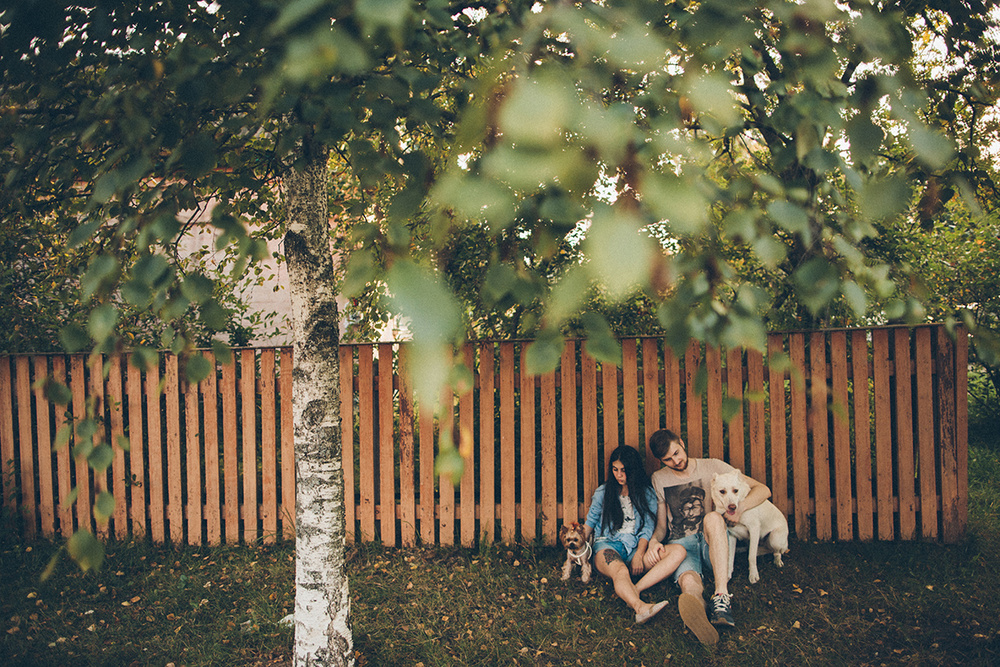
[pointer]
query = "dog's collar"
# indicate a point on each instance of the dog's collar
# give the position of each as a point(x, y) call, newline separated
point(583, 555)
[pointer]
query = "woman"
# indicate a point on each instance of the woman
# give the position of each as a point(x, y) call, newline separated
point(622, 517)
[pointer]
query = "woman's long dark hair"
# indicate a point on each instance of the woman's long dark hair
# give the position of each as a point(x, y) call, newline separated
point(638, 486)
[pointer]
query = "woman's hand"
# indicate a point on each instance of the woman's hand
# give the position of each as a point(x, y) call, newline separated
point(637, 565)
point(653, 554)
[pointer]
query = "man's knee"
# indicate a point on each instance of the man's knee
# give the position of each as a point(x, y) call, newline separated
point(690, 581)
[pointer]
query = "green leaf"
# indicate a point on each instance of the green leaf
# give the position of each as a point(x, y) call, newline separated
point(86, 550)
point(818, 283)
point(790, 217)
point(51, 567)
point(63, 436)
point(855, 297)
point(536, 111)
point(865, 137)
point(58, 393)
point(222, 351)
point(104, 506)
point(601, 342)
point(101, 270)
point(73, 338)
point(123, 443)
point(102, 457)
point(70, 498)
point(884, 198)
point(214, 315)
point(449, 464)
point(102, 322)
point(82, 233)
point(620, 251)
point(544, 353)
point(197, 368)
point(421, 297)
point(86, 428)
point(932, 147)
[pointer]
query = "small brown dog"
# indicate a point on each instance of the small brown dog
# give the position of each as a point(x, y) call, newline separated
point(578, 551)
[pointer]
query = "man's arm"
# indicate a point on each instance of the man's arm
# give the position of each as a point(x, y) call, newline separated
point(759, 492)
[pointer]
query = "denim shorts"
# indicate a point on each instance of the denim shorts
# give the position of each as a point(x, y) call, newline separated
point(616, 545)
point(697, 554)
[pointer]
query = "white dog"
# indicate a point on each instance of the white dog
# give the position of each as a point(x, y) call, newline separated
point(764, 521)
point(578, 551)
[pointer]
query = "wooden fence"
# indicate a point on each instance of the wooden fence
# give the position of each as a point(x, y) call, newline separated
point(861, 434)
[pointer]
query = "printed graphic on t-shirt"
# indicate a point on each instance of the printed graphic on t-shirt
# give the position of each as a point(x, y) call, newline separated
point(687, 503)
point(628, 515)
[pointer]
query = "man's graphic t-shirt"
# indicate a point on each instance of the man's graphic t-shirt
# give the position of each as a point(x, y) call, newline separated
point(687, 499)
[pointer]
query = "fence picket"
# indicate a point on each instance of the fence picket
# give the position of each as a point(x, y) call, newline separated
point(548, 458)
point(734, 391)
point(230, 464)
point(386, 445)
point(757, 413)
point(22, 393)
point(116, 408)
point(588, 424)
point(650, 397)
point(949, 436)
point(883, 434)
point(466, 421)
point(841, 436)
point(366, 443)
point(346, 437)
point(43, 426)
point(8, 471)
point(63, 463)
point(904, 435)
point(529, 513)
point(487, 444)
point(693, 400)
point(136, 449)
point(508, 501)
point(819, 422)
point(155, 453)
point(925, 435)
point(210, 432)
point(862, 435)
point(567, 370)
point(268, 448)
point(779, 440)
point(407, 470)
point(800, 438)
point(713, 401)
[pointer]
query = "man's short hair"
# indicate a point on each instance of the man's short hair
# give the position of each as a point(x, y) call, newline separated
point(661, 440)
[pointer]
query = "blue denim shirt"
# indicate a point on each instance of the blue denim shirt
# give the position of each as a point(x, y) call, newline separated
point(644, 526)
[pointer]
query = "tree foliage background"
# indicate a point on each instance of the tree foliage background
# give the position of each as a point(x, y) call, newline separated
point(507, 168)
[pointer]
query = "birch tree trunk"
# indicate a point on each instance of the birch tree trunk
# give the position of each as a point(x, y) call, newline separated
point(322, 601)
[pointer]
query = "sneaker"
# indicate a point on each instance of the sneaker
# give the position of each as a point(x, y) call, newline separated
point(692, 610)
point(722, 610)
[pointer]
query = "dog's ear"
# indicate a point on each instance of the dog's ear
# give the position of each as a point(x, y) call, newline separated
point(563, 531)
point(715, 476)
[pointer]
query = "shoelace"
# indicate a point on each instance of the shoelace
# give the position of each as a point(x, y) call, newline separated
point(721, 601)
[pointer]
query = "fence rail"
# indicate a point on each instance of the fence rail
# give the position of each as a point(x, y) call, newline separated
point(861, 434)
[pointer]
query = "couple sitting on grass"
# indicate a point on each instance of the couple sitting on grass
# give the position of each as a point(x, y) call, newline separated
point(629, 517)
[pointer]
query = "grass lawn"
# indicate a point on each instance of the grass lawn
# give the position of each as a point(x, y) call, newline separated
point(860, 604)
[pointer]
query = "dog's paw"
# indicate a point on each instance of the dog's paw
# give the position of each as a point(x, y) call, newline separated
point(754, 576)
point(777, 560)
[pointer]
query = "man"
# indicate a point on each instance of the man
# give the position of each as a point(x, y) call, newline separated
point(683, 491)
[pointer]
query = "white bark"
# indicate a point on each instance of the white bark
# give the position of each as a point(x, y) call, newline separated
point(322, 601)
